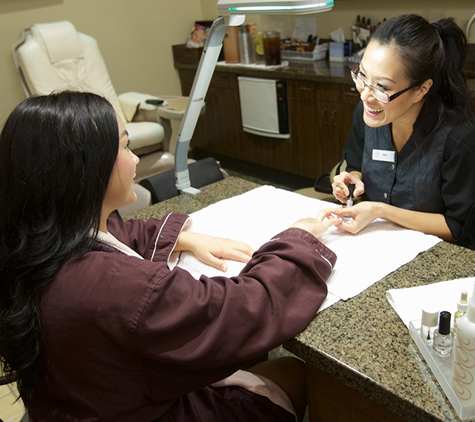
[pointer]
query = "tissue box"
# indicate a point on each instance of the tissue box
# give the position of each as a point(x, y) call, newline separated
point(340, 51)
point(337, 68)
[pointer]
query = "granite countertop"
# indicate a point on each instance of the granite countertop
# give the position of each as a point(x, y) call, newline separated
point(318, 71)
point(362, 342)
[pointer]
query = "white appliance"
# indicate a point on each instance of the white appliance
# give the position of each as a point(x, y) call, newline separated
point(264, 109)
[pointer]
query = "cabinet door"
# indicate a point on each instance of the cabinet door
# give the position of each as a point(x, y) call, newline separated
point(309, 131)
point(218, 129)
point(322, 114)
point(337, 125)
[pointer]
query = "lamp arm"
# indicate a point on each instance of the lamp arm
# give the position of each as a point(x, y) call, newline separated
point(209, 58)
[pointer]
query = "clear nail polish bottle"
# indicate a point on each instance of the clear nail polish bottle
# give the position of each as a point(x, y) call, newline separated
point(443, 336)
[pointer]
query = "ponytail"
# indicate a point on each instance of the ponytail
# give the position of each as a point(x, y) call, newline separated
point(432, 51)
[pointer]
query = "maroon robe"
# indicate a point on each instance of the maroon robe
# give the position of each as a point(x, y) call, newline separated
point(131, 340)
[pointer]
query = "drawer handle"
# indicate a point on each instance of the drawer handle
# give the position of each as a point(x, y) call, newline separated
point(324, 119)
point(333, 118)
point(305, 88)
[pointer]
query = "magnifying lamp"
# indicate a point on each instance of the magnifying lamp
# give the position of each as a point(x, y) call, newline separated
point(232, 13)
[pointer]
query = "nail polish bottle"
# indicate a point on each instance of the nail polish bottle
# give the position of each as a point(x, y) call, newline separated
point(351, 188)
point(429, 322)
point(443, 336)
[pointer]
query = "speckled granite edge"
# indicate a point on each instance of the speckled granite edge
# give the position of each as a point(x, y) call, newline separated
point(380, 359)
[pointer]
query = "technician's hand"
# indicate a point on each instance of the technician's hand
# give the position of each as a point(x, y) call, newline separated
point(341, 182)
point(362, 214)
point(319, 225)
point(213, 250)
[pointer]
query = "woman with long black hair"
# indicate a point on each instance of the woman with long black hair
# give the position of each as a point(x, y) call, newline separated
point(97, 322)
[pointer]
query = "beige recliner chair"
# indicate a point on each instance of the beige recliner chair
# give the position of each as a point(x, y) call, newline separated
point(54, 56)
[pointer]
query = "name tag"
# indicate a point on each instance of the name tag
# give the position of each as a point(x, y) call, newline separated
point(382, 155)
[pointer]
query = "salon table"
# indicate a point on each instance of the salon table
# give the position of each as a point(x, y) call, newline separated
point(362, 364)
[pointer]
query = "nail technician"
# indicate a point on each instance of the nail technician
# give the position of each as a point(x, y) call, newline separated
point(411, 148)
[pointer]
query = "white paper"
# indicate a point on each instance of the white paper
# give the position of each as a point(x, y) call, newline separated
point(256, 216)
point(303, 28)
point(443, 296)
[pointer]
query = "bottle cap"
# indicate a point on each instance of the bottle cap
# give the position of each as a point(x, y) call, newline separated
point(444, 322)
point(429, 318)
point(351, 188)
point(462, 304)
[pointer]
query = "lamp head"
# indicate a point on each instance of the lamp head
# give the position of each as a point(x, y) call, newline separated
point(273, 7)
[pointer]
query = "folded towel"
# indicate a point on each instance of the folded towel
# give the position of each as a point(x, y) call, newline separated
point(443, 296)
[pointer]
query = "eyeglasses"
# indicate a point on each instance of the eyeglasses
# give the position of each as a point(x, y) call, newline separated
point(376, 92)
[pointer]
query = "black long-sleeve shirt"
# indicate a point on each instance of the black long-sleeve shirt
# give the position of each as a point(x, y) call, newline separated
point(433, 172)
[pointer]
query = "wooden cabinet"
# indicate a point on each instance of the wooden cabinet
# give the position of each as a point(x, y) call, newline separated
point(218, 129)
point(320, 117)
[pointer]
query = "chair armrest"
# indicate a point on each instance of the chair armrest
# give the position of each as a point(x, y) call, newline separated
point(131, 102)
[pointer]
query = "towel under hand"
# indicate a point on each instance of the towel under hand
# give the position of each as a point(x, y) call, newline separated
point(256, 216)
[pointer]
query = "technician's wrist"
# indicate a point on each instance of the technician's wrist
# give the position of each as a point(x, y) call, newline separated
point(379, 210)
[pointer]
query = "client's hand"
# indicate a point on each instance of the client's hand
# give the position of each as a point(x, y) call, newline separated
point(319, 225)
point(362, 214)
point(212, 250)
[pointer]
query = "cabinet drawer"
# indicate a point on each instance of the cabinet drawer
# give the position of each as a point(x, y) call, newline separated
point(321, 91)
point(306, 90)
point(349, 95)
point(224, 80)
point(219, 79)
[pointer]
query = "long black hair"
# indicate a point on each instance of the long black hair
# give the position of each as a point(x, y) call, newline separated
point(431, 51)
point(57, 153)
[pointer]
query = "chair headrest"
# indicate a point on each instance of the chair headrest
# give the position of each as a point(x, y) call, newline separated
point(60, 39)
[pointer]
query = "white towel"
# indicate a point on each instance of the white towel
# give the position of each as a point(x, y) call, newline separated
point(443, 296)
point(256, 216)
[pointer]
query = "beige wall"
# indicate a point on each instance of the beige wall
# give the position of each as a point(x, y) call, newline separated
point(135, 38)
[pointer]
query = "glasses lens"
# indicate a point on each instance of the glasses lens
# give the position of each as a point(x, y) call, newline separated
point(357, 80)
point(360, 83)
point(380, 96)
